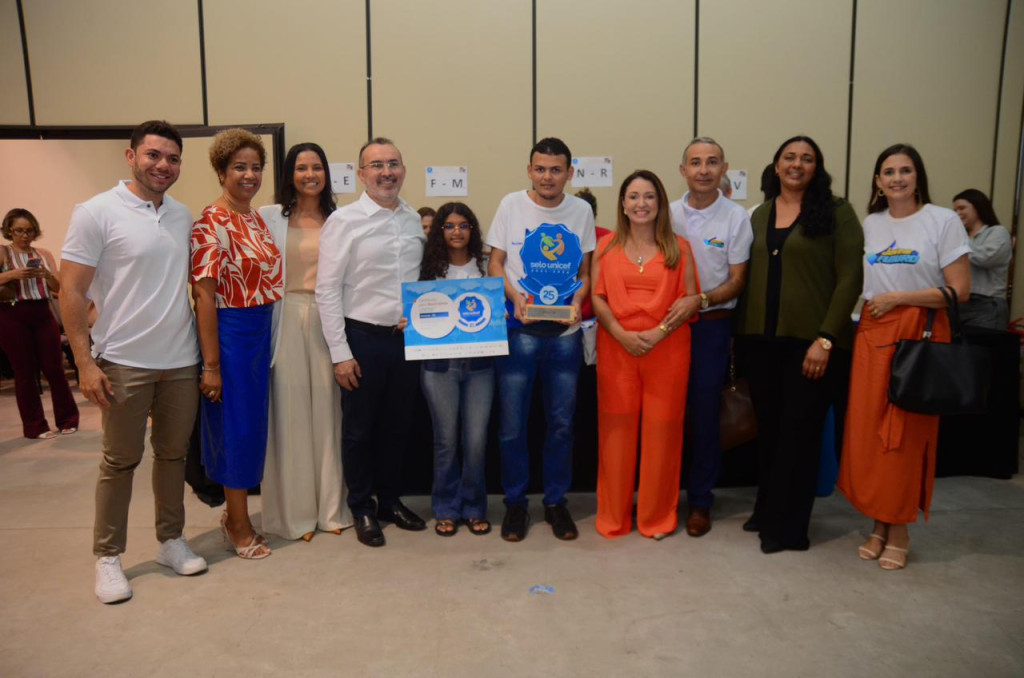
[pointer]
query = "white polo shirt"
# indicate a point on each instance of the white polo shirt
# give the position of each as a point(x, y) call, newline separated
point(720, 235)
point(140, 288)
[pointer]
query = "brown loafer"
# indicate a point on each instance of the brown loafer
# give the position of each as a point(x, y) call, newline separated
point(699, 522)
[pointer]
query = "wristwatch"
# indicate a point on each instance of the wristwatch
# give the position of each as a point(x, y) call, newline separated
point(704, 301)
point(826, 343)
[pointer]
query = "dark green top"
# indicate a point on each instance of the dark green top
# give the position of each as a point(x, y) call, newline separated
point(821, 280)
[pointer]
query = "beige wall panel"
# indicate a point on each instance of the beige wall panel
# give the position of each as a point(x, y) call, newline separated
point(111, 62)
point(83, 168)
point(927, 74)
point(14, 102)
point(1010, 122)
point(770, 71)
point(451, 86)
point(300, 63)
point(605, 93)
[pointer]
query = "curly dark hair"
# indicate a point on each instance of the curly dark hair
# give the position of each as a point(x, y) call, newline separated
point(287, 196)
point(435, 252)
point(20, 213)
point(818, 207)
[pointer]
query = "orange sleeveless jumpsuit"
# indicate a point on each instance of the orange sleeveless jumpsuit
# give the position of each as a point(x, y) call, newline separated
point(643, 396)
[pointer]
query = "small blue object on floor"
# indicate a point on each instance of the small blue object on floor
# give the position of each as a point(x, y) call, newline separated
point(534, 590)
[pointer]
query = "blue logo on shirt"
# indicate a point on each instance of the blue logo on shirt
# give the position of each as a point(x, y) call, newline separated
point(714, 242)
point(894, 255)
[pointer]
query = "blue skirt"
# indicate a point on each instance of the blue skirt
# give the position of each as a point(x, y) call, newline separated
point(234, 431)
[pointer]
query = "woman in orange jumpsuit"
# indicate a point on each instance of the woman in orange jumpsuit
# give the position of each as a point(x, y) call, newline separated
point(643, 360)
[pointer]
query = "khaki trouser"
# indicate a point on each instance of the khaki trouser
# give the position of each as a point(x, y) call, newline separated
point(171, 397)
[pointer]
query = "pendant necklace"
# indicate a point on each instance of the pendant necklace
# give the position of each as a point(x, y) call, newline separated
point(640, 263)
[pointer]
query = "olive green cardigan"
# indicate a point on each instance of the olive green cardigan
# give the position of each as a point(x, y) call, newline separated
point(822, 279)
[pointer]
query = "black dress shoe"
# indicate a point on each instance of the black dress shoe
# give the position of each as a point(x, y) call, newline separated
point(368, 531)
point(561, 522)
point(770, 546)
point(751, 525)
point(399, 514)
point(513, 527)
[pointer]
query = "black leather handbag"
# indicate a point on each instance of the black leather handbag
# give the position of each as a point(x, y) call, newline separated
point(929, 377)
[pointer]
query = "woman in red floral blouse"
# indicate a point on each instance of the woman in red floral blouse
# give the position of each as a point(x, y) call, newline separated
point(236, 278)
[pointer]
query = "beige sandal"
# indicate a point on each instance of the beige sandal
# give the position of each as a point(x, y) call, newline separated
point(256, 549)
point(891, 563)
point(867, 554)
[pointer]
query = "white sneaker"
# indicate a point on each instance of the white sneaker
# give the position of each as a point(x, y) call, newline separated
point(111, 584)
point(175, 554)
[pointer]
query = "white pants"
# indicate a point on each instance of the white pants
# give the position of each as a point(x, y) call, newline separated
point(302, 485)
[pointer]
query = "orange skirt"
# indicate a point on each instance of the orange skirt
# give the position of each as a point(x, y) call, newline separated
point(887, 469)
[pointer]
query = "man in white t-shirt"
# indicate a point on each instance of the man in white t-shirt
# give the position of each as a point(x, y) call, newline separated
point(541, 242)
point(127, 251)
point(720, 236)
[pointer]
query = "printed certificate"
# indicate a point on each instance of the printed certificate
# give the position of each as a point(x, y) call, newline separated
point(455, 318)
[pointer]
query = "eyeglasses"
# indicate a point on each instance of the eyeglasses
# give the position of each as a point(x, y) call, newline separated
point(449, 226)
point(22, 231)
point(378, 166)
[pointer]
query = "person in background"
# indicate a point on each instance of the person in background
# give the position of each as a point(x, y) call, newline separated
point(911, 248)
point(725, 186)
point(645, 354)
point(427, 215)
point(302, 487)
point(127, 251)
point(720, 236)
point(29, 334)
point(991, 252)
point(236, 278)
point(587, 308)
point(459, 391)
point(794, 332)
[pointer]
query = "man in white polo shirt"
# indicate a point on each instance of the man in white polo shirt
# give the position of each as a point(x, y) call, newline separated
point(127, 251)
point(720, 236)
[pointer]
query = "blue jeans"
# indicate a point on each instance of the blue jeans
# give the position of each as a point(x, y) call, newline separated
point(558, 361)
point(459, 390)
point(709, 365)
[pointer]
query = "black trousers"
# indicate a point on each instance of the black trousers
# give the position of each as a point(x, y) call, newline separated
point(791, 412)
point(377, 419)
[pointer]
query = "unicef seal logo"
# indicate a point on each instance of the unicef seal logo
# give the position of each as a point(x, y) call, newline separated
point(551, 257)
point(473, 312)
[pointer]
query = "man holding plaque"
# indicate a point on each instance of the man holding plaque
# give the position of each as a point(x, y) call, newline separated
point(720, 236)
point(541, 242)
point(367, 249)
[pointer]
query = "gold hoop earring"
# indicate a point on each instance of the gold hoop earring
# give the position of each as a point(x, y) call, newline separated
point(880, 194)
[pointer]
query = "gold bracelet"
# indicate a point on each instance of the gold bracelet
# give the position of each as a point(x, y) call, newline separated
point(664, 328)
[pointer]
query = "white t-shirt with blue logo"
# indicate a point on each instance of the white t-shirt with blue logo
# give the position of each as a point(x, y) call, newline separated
point(517, 214)
point(908, 254)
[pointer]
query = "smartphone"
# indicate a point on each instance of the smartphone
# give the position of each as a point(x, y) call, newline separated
point(35, 263)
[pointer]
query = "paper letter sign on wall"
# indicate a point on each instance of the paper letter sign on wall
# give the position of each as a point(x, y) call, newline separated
point(595, 172)
point(447, 181)
point(343, 177)
point(738, 179)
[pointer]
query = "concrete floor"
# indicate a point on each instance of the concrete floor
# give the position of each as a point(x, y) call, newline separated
point(425, 606)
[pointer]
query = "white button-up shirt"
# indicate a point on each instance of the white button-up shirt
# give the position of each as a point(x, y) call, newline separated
point(366, 253)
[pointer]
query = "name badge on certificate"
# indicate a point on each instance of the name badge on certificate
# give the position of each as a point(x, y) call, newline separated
point(455, 318)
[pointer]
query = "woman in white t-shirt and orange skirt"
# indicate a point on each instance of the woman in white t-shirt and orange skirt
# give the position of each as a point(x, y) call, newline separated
point(911, 249)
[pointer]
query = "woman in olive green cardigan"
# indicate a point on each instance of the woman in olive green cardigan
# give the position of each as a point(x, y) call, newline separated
point(794, 334)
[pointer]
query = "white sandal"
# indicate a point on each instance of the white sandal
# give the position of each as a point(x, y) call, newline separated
point(867, 554)
point(892, 563)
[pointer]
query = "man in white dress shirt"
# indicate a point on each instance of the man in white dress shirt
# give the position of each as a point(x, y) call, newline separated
point(367, 250)
point(720, 236)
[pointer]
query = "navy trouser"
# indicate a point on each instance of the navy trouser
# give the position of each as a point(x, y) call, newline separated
point(709, 366)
